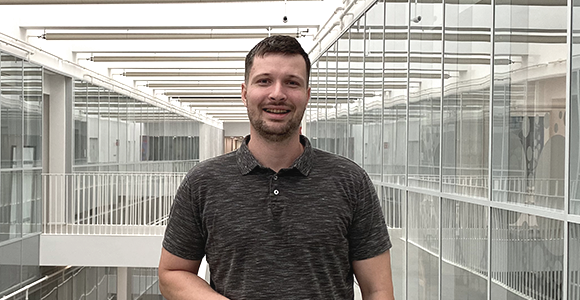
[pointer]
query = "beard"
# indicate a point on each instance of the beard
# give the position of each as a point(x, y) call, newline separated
point(275, 133)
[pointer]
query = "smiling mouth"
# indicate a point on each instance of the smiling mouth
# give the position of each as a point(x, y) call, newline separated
point(276, 111)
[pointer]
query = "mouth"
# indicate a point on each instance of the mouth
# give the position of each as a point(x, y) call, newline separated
point(276, 111)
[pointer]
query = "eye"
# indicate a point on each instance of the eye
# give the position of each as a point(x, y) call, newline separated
point(263, 81)
point(293, 83)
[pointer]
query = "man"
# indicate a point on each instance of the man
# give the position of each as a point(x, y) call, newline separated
point(276, 219)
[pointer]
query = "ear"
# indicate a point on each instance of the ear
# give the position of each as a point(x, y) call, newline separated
point(244, 92)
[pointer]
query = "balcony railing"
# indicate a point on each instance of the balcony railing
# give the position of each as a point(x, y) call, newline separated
point(108, 203)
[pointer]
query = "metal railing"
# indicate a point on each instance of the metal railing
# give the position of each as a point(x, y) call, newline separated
point(108, 203)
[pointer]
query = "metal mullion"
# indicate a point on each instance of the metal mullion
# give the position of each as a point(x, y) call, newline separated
point(348, 131)
point(566, 235)
point(336, 143)
point(382, 147)
point(22, 130)
point(441, 126)
point(406, 209)
point(490, 152)
point(364, 65)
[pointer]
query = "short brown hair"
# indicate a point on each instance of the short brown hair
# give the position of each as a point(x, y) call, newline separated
point(278, 44)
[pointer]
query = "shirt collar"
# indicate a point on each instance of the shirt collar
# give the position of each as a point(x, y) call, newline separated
point(247, 162)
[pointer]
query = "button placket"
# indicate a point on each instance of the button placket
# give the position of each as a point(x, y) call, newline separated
point(273, 183)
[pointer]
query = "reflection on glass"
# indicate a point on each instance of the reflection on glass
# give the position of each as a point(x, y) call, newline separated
point(527, 255)
point(423, 247)
point(464, 250)
point(330, 101)
point(312, 109)
point(343, 145)
point(11, 94)
point(529, 104)
point(322, 127)
point(466, 98)
point(80, 116)
point(32, 148)
point(373, 90)
point(395, 93)
point(425, 95)
point(355, 92)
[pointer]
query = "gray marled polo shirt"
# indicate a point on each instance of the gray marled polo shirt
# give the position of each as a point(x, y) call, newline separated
point(290, 235)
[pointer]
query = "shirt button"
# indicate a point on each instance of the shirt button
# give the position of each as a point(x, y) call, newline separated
point(275, 177)
point(276, 192)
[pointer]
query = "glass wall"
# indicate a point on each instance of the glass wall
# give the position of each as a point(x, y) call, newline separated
point(114, 132)
point(20, 169)
point(458, 110)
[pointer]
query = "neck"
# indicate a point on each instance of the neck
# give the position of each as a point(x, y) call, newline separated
point(275, 155)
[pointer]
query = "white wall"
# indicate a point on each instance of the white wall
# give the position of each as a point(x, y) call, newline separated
point(211, 142)
point(236, 128)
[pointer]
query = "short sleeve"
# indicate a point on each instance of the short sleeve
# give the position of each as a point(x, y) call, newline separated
point(368, 234)
point(184, 235)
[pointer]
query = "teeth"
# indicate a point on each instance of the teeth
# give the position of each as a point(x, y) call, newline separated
point(276, 111)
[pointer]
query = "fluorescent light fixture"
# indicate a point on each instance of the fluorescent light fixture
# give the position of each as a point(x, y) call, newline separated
point(28, 2)
point(158, 36)
point(181, 74)
point(164, 58)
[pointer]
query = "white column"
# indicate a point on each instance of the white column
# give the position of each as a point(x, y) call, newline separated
point(124, 283)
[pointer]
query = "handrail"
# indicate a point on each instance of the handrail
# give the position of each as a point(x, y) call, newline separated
point(29, 286)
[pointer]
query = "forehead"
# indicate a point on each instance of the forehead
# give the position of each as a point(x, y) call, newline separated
point(279, 64)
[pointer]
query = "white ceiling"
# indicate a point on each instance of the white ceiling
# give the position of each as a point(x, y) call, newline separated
point(190, 53)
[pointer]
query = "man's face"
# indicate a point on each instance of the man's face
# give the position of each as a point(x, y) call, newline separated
point(276, 95)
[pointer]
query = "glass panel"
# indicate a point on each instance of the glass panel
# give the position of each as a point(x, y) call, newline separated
point(80, 117)
point(114, 111)
point(355, 93)
point(529, 104)
point(32, 149)
point(313, 106)
point(30, 259)
point(575, 114)
point(425, 94)
point(104, 138)
point(10, 265)
point(464, 250)
point(93, 107)
point(395, 93)
point(423, 247)
point(322, 99)
point(31, 201)
point(373, 90)
point(574, 262)
point(393, 203)
point(342, 85)
point(466, 103)
point(102, 289)
point(331, 99)
point(10, 205)
point(11, 95)
point(527, 256)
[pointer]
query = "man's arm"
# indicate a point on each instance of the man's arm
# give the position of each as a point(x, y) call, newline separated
point(374, 277)
point(178, 279)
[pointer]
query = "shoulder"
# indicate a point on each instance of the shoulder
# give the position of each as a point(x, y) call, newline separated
point(334, 164)
point(213, 167)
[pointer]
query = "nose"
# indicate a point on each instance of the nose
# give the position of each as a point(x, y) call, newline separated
point(277, 93)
